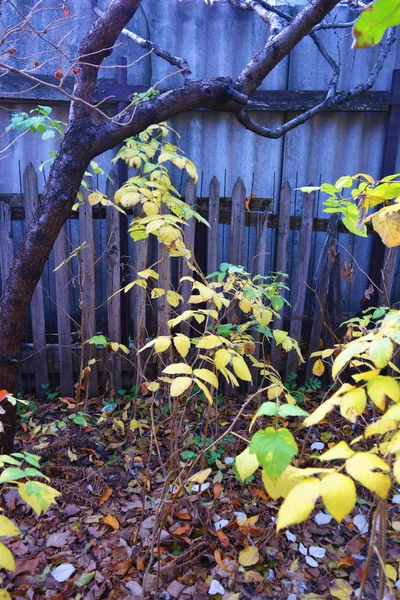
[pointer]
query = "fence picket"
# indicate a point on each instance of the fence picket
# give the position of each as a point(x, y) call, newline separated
point(88, 295)
point(281, 257)
point(236, 254)
point(190, 199)
point(300, 284)
point(63, 315)
point(37, 304)
point(6, 237)
point(113, 284)
point(212, 232)
point(322, 292)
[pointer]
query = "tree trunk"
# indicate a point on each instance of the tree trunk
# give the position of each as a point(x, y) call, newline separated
point(69, 167)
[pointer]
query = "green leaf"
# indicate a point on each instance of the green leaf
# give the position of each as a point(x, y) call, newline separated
point(97, 340)
point(373, 22)
point(291, 410)
point(381, 351)
point(12, 474)
point(274, 450)
point(85, 578)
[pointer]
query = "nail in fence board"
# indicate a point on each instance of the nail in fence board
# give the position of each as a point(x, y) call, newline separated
point(37, 304)
point(281, 258)
point(61, 252)
point(88, 304)
point(300, 284)
point(212, 232)
point(189, 235)
point(113, 285)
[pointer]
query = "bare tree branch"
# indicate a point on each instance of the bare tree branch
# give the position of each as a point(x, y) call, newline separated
point(329, 102)
point(280, 45)
point(151, 46)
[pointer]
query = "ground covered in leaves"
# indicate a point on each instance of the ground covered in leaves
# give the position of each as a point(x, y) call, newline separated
point(105, 540)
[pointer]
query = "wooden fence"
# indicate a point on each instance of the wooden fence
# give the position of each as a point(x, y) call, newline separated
point(242, 232)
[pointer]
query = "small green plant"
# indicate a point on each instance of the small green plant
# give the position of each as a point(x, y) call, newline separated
point(21, 470)
point(50, 395)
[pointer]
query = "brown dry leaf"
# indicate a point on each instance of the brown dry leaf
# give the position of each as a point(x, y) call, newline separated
point(223, 538)
point(123, 567)
point(253, 577)
point(356, 545)
point(249, 556)
point(218, 488)
point(260, 494)
point(341, 589)
point(218, 560)
point(106, 495)
point(140, 563)
point(183, 515)
point(346, 561)
point(181, 529)
point(112, 522)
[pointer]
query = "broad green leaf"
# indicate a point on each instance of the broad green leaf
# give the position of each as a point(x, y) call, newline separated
point(6, 558)
point(178, 369)
point(274, 450)
point(361, 466)
point(268, 409)
point(9, 460)
point(85, 578)
point(7, 527)
point(180, 385)
point(38, 495)
point(291, 410)
point(380, 352)
point(299, 503)
point(370, 26)
point(338, 494)
point(353, 404)
point(207, 375)
point(341, 451)
point(246, 464)
point(12, 474)
point(182, 344)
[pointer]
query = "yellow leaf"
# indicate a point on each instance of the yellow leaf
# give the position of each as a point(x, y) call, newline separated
point(380, 427)
point(210, 341)
point(353, 404)
point(6, 558)
point(341, 589)
point(396, 470)
point(222, 358)
point(339, 495)
point(4, 595)
point(182, 344)
point(299, 503)
point(341, 450)
point(352, 350)
point(148, 273)
point(280, 487)
point(178, 368)
point(154, 386)
point(387, 224)
point(205, 389)
point(173, 298)
point(157, 292)
point(38, 495)
point(361, 466)
point(249, 556)
point(162, 343)
point(246, 463)
point(380, 352)
point(240, 368)
point(112, 522)
point(7, 527)
point(200, 477)
point(393, 413)
point(391, 572)
point(207, 376)
point(245, 305)
point(180, 385)
point(322, 410)
point(318, 368)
